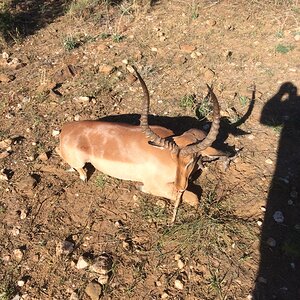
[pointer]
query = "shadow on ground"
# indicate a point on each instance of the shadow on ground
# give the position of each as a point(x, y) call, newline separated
point(279, 270)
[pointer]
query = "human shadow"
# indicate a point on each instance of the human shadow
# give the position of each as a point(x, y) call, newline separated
point(278, 276)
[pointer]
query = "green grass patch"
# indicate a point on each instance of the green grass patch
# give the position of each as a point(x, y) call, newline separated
point(283, 49)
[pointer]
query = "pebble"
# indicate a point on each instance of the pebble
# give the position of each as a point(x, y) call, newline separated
point(180, 264)
point(130, 69)
point(161, 203)
point(6, 78)
point(82, 99)
point(177, 256)
point(106, 69)
point(3, 175)
point(76, 117)
point(259, 223)
point(194, 55)
point(18, 253)
point(187, 48)
point(43, 156)
point(178, 284)
point(130, 78)
point(125, 61)
point(65, 248)
point(102, 265)
point(278, 216)
point(103, 279)
point(93, 290)
point(263, 208)
point(269, 161)
point(297, 37)
point(4, 154)
point(209, 75)
point(164, 295)
point(21, 283)
point(154, 49)
point(73, 296)
point(82, 263)
point(55, 132)
point(271, 242)
point(27, 183)
point(5, 143)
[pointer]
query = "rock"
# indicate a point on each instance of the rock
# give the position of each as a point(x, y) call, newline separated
point(93, 290)
point(178, 284)
point(82, 99)
point(43, 156)
point(161, 203)
point(271, 242)
point(278, 216)
point(180, 59)
point(82, 263)
point(73, 296)
point(103, 279)
point(20, 283)
point(5, 55)
point(297, 37)
point(180, 264)
point(164, 295)
point(130, 78)
point(211, 23)
point(177, 256)
point(187, 48)
point(16, 64)
point(4, 154)
point(64, 248)
point(55, 132)
point(5, 143)
point(23, 214)
point(6, 78)
point(259, 223)
point(130, 69)
point(27, 183)
point(154, 49)
point(63, 74)
point(18, 254)
point(125, 61)
point(102, 47)
point(194, 55)
point(3, 175)
point(106, 69)
point(102, 264)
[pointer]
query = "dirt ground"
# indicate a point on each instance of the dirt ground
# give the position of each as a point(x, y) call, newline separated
point(67, 60)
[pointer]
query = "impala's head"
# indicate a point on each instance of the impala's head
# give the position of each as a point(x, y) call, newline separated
point(186, 148)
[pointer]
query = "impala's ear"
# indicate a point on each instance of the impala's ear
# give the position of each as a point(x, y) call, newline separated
point(155, 145)
point(212, 152)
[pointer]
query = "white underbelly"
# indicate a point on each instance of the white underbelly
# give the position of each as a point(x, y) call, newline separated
point(134, 172)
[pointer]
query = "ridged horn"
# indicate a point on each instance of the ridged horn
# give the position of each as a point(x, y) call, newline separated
point(214, 130)
point(150, 134)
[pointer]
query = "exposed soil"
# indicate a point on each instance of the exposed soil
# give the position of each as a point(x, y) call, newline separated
point(244, 239)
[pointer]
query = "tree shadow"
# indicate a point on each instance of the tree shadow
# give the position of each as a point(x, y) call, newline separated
point(22, 18)
point(278, 276)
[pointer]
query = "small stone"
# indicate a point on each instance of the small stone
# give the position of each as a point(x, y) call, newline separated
point(4, 154)
point(180, 264)
point(23, 214)
point(187, 48)
point(158, 283)
point(154, 49)
point(73, 296)
point(103, 279)
point(250, 137)
point(106, 69)
point(18, 254)
point(249, 297)
point(6, 258)
point(3, 175)
point(210, 22)
point(27, 183)
point(259, 223)
point(269, 161)
point(271, 242)
point(178, 284)
point(161, 203)
point(278, 216)
point(126, 245)
point(164, 295)
point(5, 143)
point(297, 37)
point(263, 208)
point(82, 263)
point(21, 283)
point(15, 231)
point(82, 99)
point(194, 55)
point(130, 78)
point(76, 117)
point(262, 279)
point(130, 69)
point(93, 290)
point(177, 256)
point(125, 61)
point(55, 132)
point(102, 264)
point(208, 75)
point(6, 78)
point(64, 248)
point(102, 47)
point(43, 156)
point(16, 297)
point(5, 55)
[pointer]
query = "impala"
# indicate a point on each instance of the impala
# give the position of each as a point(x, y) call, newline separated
point(152, 155)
